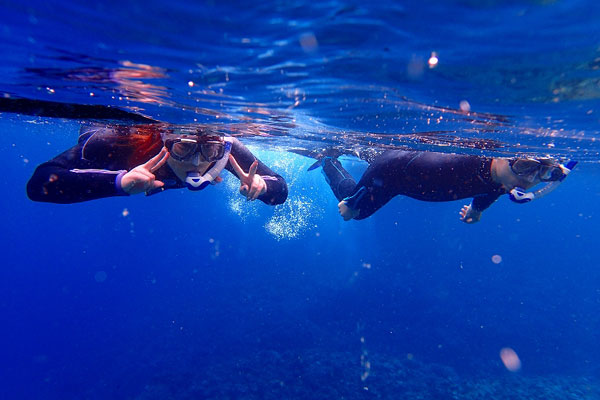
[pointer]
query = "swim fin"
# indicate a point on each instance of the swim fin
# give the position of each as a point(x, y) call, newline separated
point(320, 155)
point(316, 165)
point(54, 109)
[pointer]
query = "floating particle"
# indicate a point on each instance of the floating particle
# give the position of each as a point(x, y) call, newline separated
point(364, 375)
point(496, 259)
point(510, 359)
point(191, 84)
point(433, 60)
point(100, 276)
point(309, 43)
point(125, 212)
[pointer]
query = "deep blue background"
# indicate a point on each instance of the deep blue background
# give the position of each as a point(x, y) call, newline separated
point(172, 300)
point(192, 284)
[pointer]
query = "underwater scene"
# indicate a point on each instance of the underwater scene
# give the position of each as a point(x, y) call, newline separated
point(300, 200)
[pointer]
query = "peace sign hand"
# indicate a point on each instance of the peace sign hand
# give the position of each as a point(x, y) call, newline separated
point(251, 184)
point(141, 178)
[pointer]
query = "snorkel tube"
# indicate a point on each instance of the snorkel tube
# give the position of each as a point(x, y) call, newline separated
point(194, 181)
point(520, 195)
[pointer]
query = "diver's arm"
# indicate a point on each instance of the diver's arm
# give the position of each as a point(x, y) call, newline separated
point(68, 178)
point(481, 203)
point(54, 183)
point(276, 192)
point(472, 213)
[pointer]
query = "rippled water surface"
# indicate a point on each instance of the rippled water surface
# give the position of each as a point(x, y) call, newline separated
point(521, 76)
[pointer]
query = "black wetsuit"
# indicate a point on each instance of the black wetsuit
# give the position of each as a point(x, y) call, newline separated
point(92, 169)
point(422, 175)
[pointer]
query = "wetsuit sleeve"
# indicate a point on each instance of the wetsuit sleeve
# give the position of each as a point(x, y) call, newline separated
point(480, 203)
point(69, 178)
point(277, 190)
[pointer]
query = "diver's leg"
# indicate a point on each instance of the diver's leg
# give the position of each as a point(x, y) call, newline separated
point(340, 181)
point(382, 180)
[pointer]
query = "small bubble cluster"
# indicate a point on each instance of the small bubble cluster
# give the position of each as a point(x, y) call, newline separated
point(292, 219)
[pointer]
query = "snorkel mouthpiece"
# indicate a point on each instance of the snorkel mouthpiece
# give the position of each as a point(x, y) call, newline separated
point(520, 195)
point(194, 181)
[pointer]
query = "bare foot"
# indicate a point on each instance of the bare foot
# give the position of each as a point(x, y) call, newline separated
point(346, 212)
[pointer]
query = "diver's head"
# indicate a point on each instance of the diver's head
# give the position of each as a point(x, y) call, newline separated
point(532, 171)
point(197, 157)
point(527, 172)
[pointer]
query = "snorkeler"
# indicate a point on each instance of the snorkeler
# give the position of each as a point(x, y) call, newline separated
point(432, 176)
point(126, 160)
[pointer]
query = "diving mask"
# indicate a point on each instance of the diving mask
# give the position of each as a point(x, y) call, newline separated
point(185, 148)
point(546, 170)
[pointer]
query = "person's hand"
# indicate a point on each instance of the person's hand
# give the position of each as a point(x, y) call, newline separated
point(346, 212)
point(469, 215)
point(252, 185)
point(141, 178)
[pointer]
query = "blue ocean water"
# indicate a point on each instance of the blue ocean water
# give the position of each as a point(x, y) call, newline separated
point(207, 296)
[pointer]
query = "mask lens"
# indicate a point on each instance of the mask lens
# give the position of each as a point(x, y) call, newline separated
point(525, 167)
point(183, 149)
point(550, 173)
point(212, 151)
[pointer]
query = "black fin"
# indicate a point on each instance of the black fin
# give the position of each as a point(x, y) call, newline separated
point(53, 109)
point(316, 165)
